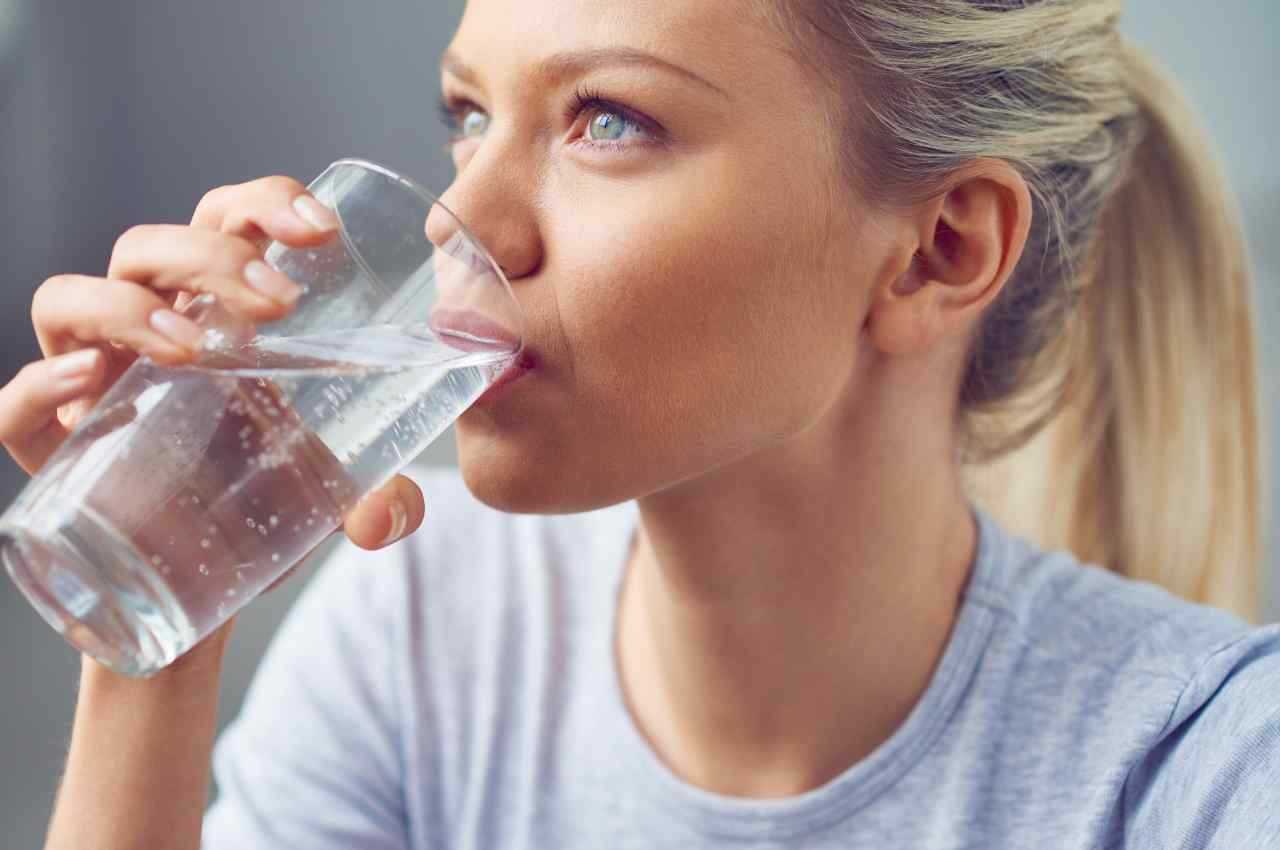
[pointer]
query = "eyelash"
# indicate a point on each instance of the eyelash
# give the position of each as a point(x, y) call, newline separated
point(452, 110)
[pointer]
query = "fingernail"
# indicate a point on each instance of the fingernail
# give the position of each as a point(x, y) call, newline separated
point(315, 213)
point(271, 283)
point(399, 521)
point(178, 328)
point(77, 365)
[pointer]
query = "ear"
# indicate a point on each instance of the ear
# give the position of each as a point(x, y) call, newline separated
point(965, 244)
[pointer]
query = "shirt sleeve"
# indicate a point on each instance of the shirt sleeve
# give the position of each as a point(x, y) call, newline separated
point(1213, 781)
point(314, 759)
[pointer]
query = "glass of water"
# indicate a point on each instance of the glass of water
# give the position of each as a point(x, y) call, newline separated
point(188, 490)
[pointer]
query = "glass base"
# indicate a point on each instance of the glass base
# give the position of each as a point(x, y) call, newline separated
point(95, 592)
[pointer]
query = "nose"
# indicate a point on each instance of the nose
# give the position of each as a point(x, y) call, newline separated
point(496, 207)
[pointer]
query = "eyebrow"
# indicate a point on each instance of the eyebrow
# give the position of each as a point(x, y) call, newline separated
point(576, 63)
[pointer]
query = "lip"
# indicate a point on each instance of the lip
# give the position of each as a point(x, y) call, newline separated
point(480, 332)
point(516, 369)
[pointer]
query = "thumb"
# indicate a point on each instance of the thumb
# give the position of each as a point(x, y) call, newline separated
point(386, 515)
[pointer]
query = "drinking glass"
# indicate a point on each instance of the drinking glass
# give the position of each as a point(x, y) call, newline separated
point(186, 491)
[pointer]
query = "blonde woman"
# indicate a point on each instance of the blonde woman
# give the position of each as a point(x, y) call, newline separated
point(884, 477)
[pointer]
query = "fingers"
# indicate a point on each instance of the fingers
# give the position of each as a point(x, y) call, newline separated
point(171, 258)
point(272, 208)
point(29, 426)
point(386, 515)
point(74, 311)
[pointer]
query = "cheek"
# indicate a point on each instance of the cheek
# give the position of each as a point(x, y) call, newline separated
point(688, 317)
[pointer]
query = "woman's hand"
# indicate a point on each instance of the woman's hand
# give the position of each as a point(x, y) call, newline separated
point(90, 329)
point(148, 741)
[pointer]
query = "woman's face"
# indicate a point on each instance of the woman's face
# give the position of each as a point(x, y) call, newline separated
point(658, 182)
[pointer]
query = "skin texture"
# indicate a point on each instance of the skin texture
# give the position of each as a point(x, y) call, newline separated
point(726, 333)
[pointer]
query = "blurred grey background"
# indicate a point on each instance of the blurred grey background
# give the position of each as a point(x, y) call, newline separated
point(113, 114)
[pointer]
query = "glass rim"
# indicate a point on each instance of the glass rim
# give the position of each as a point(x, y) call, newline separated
point(430, 198)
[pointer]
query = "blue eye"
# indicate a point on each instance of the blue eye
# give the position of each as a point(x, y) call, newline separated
point(474, 123)
point(463, 119)
point(607, 127)
point(610, 121)
point(612, 126)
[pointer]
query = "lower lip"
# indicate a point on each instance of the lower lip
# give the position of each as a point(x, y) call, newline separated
point(513, 373)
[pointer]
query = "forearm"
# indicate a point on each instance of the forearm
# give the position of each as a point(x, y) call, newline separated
point(138, 769)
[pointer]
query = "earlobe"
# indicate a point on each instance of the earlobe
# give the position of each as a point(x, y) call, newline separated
point(903, 317)
point(905, 324)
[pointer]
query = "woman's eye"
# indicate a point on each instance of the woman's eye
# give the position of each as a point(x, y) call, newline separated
point(474, 122)
point(608, 127)
point(463, 120)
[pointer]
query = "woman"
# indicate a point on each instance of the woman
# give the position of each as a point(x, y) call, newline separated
point(715, 572)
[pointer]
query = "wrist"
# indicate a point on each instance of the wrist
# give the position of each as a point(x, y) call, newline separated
point(201, 663)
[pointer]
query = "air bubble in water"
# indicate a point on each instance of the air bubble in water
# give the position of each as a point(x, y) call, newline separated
point(274, 520)
point(205, 544)
point(204, 569)
point(231, 591)
point(249, 522)
point(156, 559)
point(275, 557)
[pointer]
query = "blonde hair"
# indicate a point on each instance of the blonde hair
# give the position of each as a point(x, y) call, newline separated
point(1109, 405)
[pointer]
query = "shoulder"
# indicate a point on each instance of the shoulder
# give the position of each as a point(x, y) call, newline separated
point(1211, 779)
point(1170, 705)
point(1067, 611)
point(1112, 665)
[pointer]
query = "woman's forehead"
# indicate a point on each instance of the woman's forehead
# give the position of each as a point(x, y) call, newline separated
point(719, 33)
point(729, 46)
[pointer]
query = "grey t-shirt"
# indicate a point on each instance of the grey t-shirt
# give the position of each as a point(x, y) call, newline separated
point(458, 690)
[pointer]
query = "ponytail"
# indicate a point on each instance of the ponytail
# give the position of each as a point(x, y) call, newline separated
point(1153, 466)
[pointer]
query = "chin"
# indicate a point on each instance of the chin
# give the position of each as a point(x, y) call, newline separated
point(516, 478)
point(506, 475)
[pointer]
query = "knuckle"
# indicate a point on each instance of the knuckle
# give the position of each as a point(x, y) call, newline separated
point(211, 199)
point(128, 240)
point(40, 298)
point(280, 185)
point(28, 375)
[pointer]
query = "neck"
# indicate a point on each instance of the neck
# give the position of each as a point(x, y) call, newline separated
point(782, 615)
